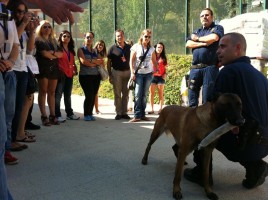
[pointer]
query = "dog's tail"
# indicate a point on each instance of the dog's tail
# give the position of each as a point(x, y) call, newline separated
point(160, 124)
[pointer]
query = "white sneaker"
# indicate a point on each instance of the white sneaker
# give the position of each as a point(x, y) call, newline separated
point(73, 117)
point(61, 119)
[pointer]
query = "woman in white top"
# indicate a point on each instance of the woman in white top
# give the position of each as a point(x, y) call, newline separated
point(23, 102)
point(143, 76)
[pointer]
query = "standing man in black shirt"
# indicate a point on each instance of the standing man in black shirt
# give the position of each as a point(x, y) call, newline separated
point(119, 73)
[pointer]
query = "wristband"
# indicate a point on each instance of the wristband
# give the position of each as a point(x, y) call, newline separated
point(12, 61)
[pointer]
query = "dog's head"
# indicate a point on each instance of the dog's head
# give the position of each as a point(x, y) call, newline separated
point(228, 107)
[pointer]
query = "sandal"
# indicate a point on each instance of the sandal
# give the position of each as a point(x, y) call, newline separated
point(151, 112)
point(45, 121)
point(28, 134)
point(27, 140)
point(53, 120)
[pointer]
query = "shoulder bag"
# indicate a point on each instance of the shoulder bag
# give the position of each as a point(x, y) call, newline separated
point(132, 83)
point(103, 73)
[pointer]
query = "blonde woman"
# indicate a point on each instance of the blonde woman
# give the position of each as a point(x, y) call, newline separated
point(142, 52)
point(47, 54)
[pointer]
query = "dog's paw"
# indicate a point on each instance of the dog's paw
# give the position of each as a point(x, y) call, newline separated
point(177, 195)
point(212, 196)
point(144, 161)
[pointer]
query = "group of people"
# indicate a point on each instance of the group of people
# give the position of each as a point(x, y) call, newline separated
point(26, 36)
point(142, 62)
point(17, 45)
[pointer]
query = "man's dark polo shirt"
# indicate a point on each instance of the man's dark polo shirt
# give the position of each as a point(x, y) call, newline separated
point(207, 55)
point(116, 53)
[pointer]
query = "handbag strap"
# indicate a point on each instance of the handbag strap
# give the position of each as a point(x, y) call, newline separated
point(142, 59)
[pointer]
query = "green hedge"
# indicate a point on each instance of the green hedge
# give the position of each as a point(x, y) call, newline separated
point(178, 66)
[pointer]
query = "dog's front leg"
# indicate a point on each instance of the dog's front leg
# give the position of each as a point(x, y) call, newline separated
point(178, 174)
point(206, 162)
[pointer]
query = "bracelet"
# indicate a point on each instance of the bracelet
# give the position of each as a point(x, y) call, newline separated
point(12, 61)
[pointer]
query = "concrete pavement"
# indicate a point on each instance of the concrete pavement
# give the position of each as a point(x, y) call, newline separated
point(99, 160)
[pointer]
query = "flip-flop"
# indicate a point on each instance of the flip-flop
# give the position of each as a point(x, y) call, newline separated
point(28, 134)
point(27, 140)
point(151, 112)
point(18, 147)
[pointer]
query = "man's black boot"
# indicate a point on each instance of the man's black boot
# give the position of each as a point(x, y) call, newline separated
point(195, 174)
point(175, 149)
point(31, 126)
point(255, 173)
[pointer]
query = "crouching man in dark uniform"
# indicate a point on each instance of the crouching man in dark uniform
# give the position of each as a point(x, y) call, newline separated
point(250, 146)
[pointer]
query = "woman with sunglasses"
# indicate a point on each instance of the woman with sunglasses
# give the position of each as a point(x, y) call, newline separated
point(142, 55)
point(102, 53)
point(23, 99)
point(47, 55)
point(65, 83)
point(89, 76)
point(159, 76)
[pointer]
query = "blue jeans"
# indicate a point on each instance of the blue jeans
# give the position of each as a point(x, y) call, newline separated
point(10, 98)
point(4, 193)
point(22, 81)
point(198, 77)
point(65, 86)
point(143, 82)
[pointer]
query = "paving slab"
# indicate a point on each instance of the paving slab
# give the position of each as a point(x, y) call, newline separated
point(99, 160)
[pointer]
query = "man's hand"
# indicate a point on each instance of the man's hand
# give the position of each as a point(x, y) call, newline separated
point(194, 37)
point(59, 10)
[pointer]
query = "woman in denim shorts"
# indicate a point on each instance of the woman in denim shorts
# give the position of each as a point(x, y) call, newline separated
point(159, 76)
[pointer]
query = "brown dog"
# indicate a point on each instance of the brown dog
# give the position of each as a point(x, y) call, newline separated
point(189, 126)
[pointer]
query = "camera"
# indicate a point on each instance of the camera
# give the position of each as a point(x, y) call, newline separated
point(34, 17)
point(5, 14)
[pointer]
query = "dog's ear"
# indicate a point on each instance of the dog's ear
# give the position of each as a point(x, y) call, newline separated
point(214, 97)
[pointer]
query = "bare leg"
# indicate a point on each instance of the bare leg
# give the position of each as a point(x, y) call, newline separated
point(161, 96)
point(28, 100)
point(152, 92)
point(51, 96)
point(96, 103)
point(43, 83)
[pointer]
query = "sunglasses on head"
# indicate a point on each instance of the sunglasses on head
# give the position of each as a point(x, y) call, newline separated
point(21, 11)
point(88, 37)
point(147, 36)
point(45, 27)
point(66, 36)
